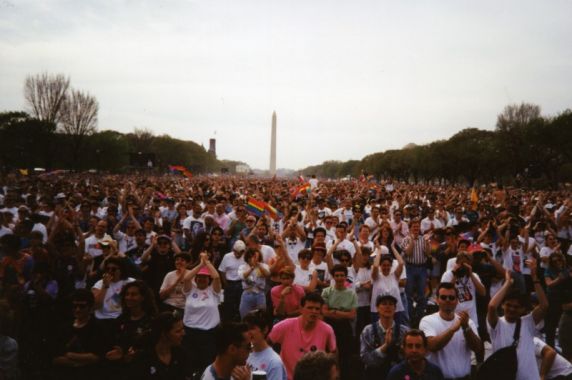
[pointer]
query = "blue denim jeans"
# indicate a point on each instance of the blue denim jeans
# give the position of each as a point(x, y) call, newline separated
point(415, 290)
point(251, 301)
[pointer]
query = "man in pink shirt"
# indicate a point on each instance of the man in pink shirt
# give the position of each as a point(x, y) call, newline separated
point(307, 333)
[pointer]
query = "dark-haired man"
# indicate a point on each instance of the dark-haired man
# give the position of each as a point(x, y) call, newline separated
point(380, 341)
point(263, 358)
point(415, 366)
point(451, 336)
point(501, 330)
point(306, 333)
point(232, 349)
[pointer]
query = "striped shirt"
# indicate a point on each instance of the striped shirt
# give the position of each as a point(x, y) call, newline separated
point(418, 255)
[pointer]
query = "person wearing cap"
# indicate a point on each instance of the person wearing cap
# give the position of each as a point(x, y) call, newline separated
point(451, 335)
point(380, 341)
point(158, 260)
point(202, 289)
point(228, 268)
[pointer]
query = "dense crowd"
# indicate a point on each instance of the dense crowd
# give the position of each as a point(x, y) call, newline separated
point(162, 277)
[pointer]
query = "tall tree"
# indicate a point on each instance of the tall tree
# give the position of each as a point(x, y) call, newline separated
point(45, 95)
point(78, 120)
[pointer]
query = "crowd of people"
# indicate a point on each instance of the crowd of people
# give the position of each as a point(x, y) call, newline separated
point(161, 277)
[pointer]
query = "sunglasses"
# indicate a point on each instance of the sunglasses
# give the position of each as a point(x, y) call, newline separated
point(447, 298)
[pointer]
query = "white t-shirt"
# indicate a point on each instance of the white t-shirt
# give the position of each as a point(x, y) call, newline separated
point(111, 307)
point(386, 285)
point(229, 266)
point(455, 358)
point(560, 366)
point(177, 298)
point(268, 253)
point(545, 252)
point(320, 268)
point(426, 224)
point(201, 308)
point(344, 244)
point(256, 281)
point(302, 277)
point(92, 245)
point(294, 246)
point(502, 336)
point(125, 242)
point(467, 293)
point(513, 259)
point(194, 225)
point(363, 295)
point(43, 230)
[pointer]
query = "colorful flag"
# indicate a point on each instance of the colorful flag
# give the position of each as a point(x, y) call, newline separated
point(255, 207)
point(181, 169)
point(303, 188)
point(272, 212)
point(301, 178)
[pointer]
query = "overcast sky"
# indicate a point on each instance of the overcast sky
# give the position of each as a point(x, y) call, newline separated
point(346, 78)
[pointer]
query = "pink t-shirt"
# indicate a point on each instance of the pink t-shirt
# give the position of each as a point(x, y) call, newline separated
point(295, 342)
point(291, 301)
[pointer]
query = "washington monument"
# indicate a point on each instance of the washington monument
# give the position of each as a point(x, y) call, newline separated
point(273, 146)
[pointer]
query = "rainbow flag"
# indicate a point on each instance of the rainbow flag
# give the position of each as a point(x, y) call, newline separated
point(181, 169)
point(303, 188)
point(255, 207)
point(272, 212)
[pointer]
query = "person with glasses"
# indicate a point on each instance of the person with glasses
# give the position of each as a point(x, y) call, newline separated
point(79, 348)
point(232, 281)
point(107, 292)
point(380, 341)
point(233, 347)
point(451, 335)
point(216, 245)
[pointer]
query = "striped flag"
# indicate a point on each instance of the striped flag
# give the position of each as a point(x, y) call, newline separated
point(181, 169)
point(255, 207)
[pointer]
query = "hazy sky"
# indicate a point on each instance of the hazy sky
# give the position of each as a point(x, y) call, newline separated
point(346, 78)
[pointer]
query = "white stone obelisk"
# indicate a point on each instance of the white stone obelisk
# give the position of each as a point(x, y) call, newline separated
point(273, 146)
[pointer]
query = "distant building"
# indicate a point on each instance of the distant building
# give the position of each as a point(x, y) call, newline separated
point(242, 169)
point(212, 147)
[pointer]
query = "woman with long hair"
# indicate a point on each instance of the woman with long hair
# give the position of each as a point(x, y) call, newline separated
point(164, 358)
point(134, 323)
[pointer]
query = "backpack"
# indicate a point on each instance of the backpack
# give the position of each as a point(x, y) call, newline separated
point(502, 364)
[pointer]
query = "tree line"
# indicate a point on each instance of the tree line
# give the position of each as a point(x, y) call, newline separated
point(60, 132)
point(524, 147)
